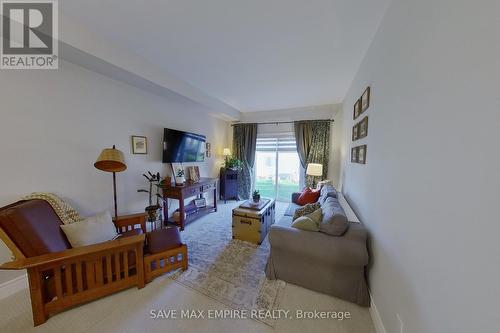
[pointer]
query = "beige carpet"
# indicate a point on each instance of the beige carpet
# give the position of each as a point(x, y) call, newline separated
point(129, 311)
point(229, 270)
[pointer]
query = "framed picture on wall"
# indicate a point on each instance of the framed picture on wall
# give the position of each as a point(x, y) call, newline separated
point(139, 144)
point(363, 128)
point(365, 100)
point(357, 109)
point(362, 154)
point(354, 154)
point(355, 132)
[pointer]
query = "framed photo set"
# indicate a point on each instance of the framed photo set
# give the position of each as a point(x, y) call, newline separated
point(365, 100)
point(357, 109)
point(362, 154)
point(354, 154)
point(139, 144)
point(355, 132)
point(363, 128)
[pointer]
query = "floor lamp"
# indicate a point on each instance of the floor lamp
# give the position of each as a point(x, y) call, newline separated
point(111, 160)
point(314, 170)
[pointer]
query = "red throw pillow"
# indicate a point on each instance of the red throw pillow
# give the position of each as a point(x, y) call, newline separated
point(308, 196)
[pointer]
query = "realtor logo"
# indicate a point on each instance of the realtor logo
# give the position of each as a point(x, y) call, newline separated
point(30, 34)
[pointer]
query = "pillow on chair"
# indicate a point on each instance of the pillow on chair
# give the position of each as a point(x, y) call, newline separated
point(308, 196)
point(93, 230)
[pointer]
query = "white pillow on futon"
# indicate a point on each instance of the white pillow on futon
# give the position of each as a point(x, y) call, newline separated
point(92, 230)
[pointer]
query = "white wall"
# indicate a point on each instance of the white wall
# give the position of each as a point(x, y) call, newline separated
point(55, 123)
point(429, 191)
point(330, 111)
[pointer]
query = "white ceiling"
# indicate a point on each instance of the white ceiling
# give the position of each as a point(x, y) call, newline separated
point(251, 54)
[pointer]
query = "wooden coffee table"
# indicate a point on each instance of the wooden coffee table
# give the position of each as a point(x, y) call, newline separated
point(253, 225)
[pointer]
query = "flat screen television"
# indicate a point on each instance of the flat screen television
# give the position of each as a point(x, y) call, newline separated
point(179, 146)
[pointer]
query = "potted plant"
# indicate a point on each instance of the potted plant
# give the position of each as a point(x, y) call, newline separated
point(179, 177)
point(232, 163)
point(152, 210)
point(256, 196)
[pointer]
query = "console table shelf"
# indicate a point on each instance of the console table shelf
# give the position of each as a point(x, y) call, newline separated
point(181, 193)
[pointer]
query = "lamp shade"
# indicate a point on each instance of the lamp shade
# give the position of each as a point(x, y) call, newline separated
point(314, 169)
point(111, 160)
point(226, 152)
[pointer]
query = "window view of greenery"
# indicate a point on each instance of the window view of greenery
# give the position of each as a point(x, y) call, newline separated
point(284, 171)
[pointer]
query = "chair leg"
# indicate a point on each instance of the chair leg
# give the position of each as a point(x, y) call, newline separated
point(139, 259)
point(184, 258)
point(36, 294)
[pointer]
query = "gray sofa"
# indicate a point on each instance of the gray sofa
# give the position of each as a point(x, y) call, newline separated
point(334, 265)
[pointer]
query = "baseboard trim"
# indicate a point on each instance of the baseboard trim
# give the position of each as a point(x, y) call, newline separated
point(377, 321)
point(13, 286)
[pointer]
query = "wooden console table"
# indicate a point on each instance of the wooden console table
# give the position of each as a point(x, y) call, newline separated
point(189, 190)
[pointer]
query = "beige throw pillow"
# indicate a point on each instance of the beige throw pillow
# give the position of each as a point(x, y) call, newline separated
point(309, 222)
point(305, 210)
point(93, 230)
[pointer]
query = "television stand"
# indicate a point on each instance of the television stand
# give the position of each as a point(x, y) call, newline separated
point(188, 190)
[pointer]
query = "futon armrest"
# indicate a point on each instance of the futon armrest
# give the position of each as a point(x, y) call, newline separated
point(71, 254)
point(295, 196)
point(128, 222)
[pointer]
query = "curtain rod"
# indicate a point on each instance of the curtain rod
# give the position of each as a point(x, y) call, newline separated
point(282, 122)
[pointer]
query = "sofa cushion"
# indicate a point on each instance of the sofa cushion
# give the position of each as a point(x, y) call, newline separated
point(334, 220)
point(305, 223)
point(290, 210)
point(308, 196)
point(327, 191)
point(307, 209)
point(309, 222)
point(161, 240)
point(93, 230)
point(33, 226)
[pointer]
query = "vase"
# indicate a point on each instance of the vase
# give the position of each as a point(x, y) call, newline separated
point(256, 198)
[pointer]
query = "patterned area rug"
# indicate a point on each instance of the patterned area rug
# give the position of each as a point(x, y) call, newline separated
point(228, 270)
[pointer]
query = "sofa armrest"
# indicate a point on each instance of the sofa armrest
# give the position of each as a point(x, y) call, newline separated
point(295, 196)
point(75, 253)
point(349, 249)
point(128, 222)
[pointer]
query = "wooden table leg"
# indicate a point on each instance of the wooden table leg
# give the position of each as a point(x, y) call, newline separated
point(165, 212)
point(181, 212)
point(215, 198)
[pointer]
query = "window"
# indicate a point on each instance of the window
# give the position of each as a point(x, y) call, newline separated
point(277, 167)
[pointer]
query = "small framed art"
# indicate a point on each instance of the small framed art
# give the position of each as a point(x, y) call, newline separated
point(355, 132)
point(354, 154)
point(200, 202)
point(139, 144)
point(363, 128)
point(365, 100)
point(357, 109)
point(193, 173)
point(362, 154)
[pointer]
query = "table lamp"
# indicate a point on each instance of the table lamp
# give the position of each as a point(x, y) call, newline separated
point(314, 170)
point(226, 152)
point(111, 160)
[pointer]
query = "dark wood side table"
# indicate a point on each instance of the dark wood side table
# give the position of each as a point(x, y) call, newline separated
point(186, 191)
point(228, 184)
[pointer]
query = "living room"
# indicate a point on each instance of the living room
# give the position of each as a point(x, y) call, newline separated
point(249, 166)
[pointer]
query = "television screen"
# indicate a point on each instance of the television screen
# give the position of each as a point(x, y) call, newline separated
point(179, 146)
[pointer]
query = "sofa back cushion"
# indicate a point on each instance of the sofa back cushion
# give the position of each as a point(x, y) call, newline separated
point(34, 227)
point(334, 220)
point(327, 191)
